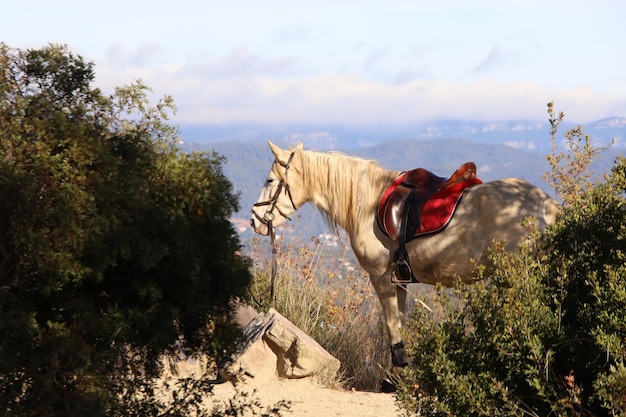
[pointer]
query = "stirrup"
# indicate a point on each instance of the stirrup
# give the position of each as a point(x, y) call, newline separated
point(402, 273)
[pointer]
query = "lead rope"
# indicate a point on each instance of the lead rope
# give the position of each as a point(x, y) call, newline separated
point(274, 268)
point(274, 261)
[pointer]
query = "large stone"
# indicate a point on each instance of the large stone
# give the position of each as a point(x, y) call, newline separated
point(273, 346)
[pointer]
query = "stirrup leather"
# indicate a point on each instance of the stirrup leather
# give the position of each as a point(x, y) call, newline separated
point(402, 273)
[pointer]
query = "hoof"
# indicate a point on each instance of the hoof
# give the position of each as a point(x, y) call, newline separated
point(391, 382)
point(388, 387)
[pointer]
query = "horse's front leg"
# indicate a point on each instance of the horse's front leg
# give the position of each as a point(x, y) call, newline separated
point(393, 299)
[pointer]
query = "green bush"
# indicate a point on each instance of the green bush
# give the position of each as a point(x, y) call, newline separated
point(467, 361)
point(588, 261)
point(115, 248)
point(538, 335)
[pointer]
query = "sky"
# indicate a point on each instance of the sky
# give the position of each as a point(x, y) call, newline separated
point(346, 63)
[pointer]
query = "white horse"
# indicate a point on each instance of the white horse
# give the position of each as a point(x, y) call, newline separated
point(347, 190)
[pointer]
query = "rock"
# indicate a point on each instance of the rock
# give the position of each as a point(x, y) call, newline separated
point(273, 346)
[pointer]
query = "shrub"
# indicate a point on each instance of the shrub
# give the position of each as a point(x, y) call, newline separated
point(535, 335)
point(588, 263)
point(114, 246)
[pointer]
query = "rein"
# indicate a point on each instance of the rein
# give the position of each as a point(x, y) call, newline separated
point(269, 216)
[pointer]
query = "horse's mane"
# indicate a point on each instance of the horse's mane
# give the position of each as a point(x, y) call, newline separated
point(350, 185)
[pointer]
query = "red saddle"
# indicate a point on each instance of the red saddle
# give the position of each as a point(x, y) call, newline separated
point(422, 200)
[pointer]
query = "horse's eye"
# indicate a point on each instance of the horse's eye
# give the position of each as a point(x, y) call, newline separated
point(269, 181)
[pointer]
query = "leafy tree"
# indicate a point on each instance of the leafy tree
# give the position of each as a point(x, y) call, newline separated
point(115, 248)
point(537, 335)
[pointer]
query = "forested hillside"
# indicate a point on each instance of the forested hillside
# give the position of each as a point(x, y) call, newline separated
point(249, 161)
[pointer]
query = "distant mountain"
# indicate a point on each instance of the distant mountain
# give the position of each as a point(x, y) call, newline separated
point(500, 150)
point(531, 135)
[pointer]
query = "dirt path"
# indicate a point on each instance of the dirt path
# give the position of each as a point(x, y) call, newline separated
point(306, 397)
point(309, 399)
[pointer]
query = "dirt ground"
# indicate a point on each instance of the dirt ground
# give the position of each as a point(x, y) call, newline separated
point(306, 397)
point(310, 399)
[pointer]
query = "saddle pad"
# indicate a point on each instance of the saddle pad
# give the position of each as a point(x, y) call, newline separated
point(438, 209)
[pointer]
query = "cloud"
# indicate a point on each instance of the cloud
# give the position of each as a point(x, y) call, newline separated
point(245, 87)
point(406, 75)
point(297, 34)
point(240, 62)
point(493, 59)
point(352, 100)
point(144, 55)
point(347, 100)
point(521, 145)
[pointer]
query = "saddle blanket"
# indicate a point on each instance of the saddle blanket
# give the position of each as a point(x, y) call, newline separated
point(438, 209)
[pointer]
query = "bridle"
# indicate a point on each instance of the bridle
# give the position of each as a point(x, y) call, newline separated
point(268, 217)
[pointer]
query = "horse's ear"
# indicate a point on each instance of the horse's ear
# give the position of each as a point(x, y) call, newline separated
point(278, 152)
point(275, 149)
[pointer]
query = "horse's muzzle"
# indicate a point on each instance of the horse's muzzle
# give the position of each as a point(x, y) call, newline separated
point(259, 227)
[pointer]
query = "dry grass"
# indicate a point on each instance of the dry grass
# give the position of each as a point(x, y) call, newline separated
point(321, 288)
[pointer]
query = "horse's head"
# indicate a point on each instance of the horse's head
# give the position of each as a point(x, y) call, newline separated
point(281, 195)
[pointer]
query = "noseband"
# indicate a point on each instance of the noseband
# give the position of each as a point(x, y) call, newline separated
point(268, 217)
